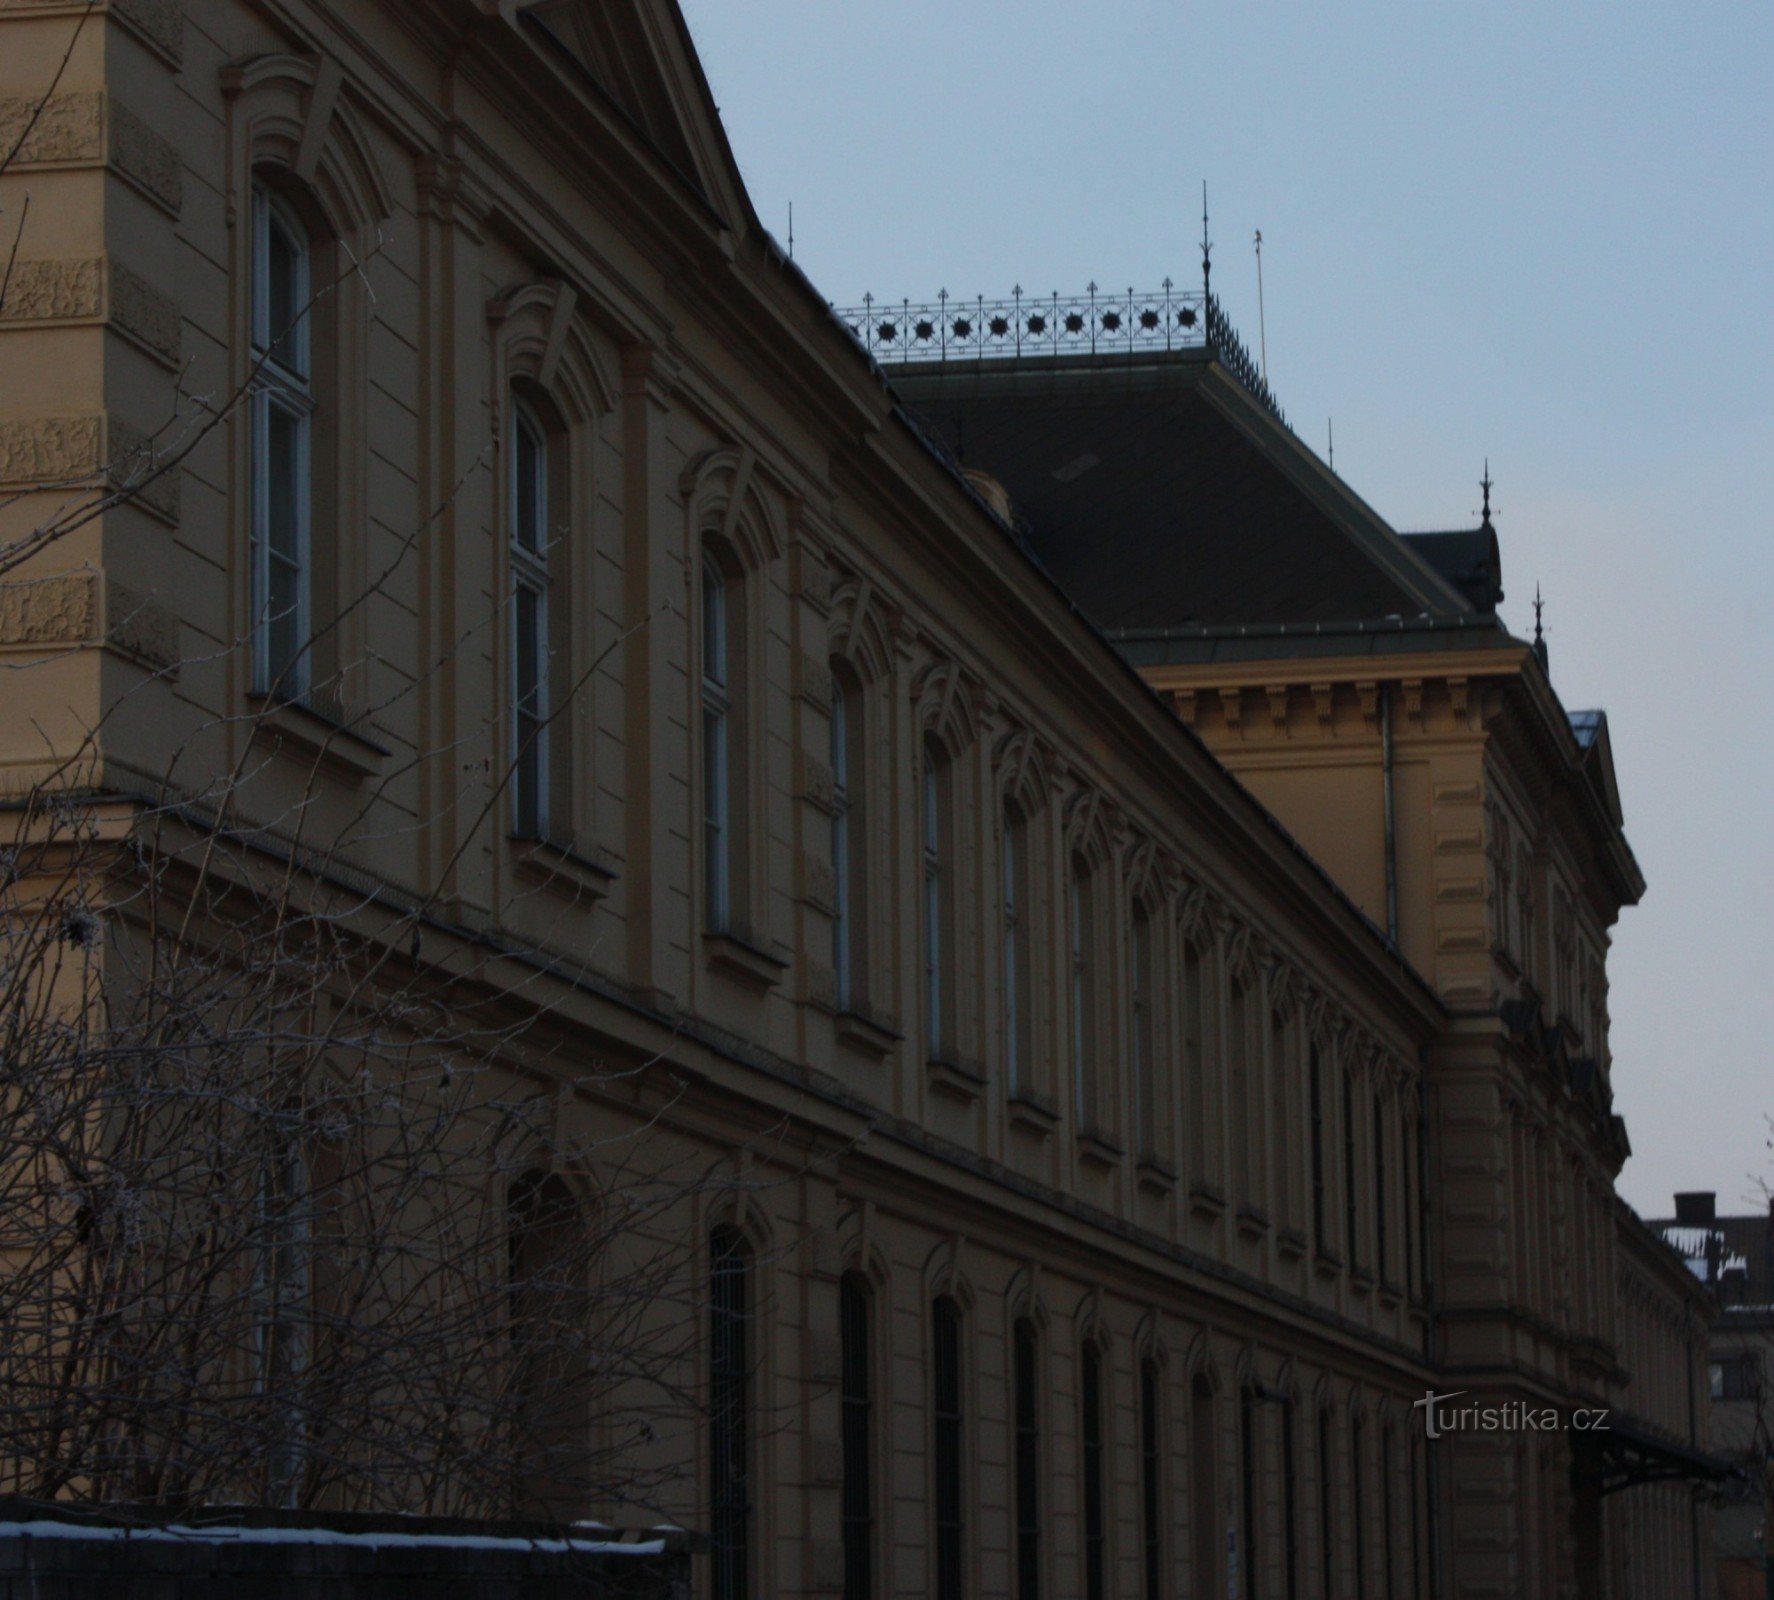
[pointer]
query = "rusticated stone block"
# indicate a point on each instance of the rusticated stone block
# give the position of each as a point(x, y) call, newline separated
point(141, 627)
point(50, 450)
point(160, 22)
point(55, 452)
point(80, 290)
point(87, 129)
point(61, 609)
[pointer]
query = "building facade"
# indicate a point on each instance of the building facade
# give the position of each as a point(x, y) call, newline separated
point(1133, 1124)
point(1734, 1257)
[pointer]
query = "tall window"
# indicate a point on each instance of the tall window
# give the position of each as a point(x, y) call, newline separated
point(282, 450)
point(1358, 1512)
point(550, 1378)
point(530, 539)
point(1241, 1128)
point(1247, 1468)
point(1327, 1555)
point(1379, 1158)
point(1082, 927)
point(1090, 1388)
point(948, 1502)
point(849, 841)
point(1388, 1486)
point(858, 1426)
point(729, 1445)
point(1013, 892)
point(1151, 1483)
point(284, 1288)
point(938, 1003)
point(1027, 1403)
point(1290, 1496)
point(1141, 994)
point(717, 739)
point(1349, 1234)
point(1194, 1057)
point(1409, 1181)
point(1204, 1486)
point(1315, 1089)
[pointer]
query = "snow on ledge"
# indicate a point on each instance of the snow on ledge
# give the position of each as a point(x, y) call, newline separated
point(178, 1533)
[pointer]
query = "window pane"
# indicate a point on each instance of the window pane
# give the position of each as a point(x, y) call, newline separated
point(529, 488)
point(858, 1497)
point(714, 816)
point(285, 292)
point(714, 625)
point(729, 1443)
point(946, 1375)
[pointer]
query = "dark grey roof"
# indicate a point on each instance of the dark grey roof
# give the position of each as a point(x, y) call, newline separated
point(1468, 558)
point(1160, 499)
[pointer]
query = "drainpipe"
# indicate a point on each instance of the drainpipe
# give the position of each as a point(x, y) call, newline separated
point(1391, 825)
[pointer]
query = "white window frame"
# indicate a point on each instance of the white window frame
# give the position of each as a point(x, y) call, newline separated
point(530, 580)
point(283, 382)
point(717, 775)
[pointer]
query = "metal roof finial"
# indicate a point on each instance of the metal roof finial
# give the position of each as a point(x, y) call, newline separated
point(1206, 245)
point(1485, 484)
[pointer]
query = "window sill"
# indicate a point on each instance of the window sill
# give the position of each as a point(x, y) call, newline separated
point(1291, 1243)
point(1206, 1201)
point(1155, 1174)
point(1253, 1221)
point(1361, 1281)
point(1097, 1149)
point(741, 957)
point(1033, 1113)
point(562, 869)
point(317, 735)
point(866, 1031)
point(1327, 1263)
point(1390, 1293)
point(954, 1080)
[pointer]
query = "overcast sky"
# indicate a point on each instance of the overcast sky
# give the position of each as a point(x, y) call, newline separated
point(1539, 232)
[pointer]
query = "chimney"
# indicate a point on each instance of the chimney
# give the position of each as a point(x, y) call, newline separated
point(1696, 1209)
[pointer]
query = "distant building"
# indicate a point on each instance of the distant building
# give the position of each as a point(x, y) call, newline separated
point(1734, 1258)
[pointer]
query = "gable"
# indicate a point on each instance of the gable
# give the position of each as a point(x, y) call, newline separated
point(639, 56)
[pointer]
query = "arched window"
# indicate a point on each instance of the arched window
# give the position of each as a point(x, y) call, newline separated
point(718, 716)
point(1388, 1489)
point(1018, 988)
point(283, 405)
point(1382, 1266)
point(854, 1316)
point(1194, 1007)
point(1204, 1486)
point(1351, 1235)
point(1358, 1509)
point(532, 536)
point(849, 840)
point(937, 836)
point(1290, 1502)
point(1244, 1131)
point(948, 1499)
point(729, 1416)
point(1142, 997)
point(284, 1287)
point(550, 1378)
point(1026, 1382)
point(1250, 1485)
point(1090, 1397)
point(1151, 1482)
point(1082, 930)
point(1315, 1094)
point(1327, 1520)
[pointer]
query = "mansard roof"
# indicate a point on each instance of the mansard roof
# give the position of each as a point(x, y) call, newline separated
point(1161, 495)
